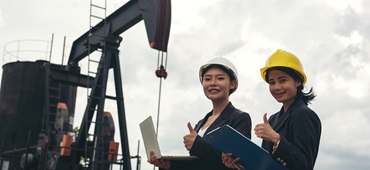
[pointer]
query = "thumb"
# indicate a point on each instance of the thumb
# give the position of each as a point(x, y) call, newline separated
point(191, 130)
point(265, 121)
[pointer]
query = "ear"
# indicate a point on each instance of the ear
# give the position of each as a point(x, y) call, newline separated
point(232, 84)
point(298, 83)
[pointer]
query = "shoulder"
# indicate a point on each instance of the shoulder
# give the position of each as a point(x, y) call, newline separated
point(239, 113)
point(241, 121)
point(235, 112)
point(305, 114)
point(239, 117)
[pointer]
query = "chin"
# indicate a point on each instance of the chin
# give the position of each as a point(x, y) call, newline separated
point(280, 100)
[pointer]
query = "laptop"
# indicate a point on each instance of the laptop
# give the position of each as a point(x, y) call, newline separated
point(151, 142)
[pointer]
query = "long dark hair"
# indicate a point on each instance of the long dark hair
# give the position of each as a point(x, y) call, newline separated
point(305, 97)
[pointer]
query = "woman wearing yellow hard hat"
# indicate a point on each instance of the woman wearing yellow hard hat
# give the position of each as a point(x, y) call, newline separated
point(292, 135)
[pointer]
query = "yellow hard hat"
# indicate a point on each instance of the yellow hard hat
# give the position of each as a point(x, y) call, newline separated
point(283, 58)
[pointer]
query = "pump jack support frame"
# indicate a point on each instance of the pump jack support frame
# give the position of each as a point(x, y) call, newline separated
point(105, 36)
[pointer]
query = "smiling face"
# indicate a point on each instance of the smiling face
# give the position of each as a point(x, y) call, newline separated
point(216, 84)
point(282, 87)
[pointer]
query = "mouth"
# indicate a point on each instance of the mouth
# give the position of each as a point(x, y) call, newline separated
point(278, 95)
point(213, 90)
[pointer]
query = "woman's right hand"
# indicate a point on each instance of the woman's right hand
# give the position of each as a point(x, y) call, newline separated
point(230, 162)
point(165, 164)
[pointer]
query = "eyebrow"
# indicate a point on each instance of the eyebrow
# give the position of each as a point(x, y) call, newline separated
point(221, 74)
point(280, 77)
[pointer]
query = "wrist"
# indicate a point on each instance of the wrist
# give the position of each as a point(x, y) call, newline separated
point(276, 145)
point(277, 140)
point(168, 165)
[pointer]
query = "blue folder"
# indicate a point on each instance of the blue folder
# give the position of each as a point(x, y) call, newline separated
point(252, 157)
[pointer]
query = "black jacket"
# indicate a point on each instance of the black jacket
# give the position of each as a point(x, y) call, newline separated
point(210, 158)
point(300, 130)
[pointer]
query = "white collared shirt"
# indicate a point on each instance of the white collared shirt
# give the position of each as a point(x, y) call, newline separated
point(201, 132)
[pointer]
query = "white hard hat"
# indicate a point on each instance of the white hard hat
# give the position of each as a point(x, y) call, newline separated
point(223, 62)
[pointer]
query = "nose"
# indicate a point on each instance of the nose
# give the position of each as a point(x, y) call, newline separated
point(213, 82)
point(277, 88)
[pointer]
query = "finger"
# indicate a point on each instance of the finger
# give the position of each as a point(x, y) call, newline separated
point(258, 134)
point(235, 160)
point(239, 167)
point(152, 157)
point(191, 130)
point(150, 161)
point(151, 153)
point(225, 156)
point(188, 147)
point(228, 154)
point(230, 162)
point(265, 121)
point(256, 128)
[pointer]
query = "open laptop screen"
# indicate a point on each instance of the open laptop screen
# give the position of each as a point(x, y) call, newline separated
point(151, 142)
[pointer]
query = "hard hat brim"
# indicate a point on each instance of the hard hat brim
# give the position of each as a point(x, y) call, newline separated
point(300, 72)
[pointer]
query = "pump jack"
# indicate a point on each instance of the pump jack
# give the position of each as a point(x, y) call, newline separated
point(23, 117)
point(105, 36)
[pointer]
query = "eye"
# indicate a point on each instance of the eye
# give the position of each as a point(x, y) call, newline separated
point(282, 80)
point(207, 79)
point(271, 82)
point(221, 78)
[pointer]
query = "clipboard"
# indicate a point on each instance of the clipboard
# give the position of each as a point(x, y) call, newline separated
point(228, 140)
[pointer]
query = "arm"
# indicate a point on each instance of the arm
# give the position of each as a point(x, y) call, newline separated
point(242, 123)
point(299, 149)
point(180, 165)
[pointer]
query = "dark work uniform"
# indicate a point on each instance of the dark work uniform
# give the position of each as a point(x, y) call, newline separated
point(210, 158)
point(300, 130)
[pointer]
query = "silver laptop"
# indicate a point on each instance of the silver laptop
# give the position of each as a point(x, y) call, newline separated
point(151, 142)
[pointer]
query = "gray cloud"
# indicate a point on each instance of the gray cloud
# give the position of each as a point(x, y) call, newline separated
point(348, 22)
point(322, 35)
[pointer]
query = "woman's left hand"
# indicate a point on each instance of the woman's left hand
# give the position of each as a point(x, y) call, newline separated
point(230, 162)
point(265, 131)
point(190, 138)
point(164, 164)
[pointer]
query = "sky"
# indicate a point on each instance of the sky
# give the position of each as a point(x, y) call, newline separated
point(331, 38)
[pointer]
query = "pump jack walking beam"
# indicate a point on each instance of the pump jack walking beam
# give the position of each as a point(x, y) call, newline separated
point(105, 35)
point(155, 13)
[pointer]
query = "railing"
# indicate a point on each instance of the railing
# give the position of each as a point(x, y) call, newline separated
point(26, 50)
point(33, 50)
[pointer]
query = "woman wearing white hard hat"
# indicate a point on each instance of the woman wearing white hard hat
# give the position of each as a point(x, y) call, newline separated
point(292, 135)
point(219, 79)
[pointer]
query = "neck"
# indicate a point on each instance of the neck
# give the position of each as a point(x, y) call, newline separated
point(219, 106)
point(287, 104)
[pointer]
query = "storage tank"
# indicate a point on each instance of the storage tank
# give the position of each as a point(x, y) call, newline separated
point(22, 103)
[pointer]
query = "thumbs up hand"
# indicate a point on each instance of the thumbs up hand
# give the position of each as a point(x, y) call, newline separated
point(265, 121)
point(265, 131)
point(190, 138)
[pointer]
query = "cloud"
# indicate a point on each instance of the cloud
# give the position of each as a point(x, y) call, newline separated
point(331, 38)
point(2, 19)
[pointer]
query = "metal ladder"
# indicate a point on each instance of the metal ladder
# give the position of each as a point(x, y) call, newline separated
point(98, 13)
